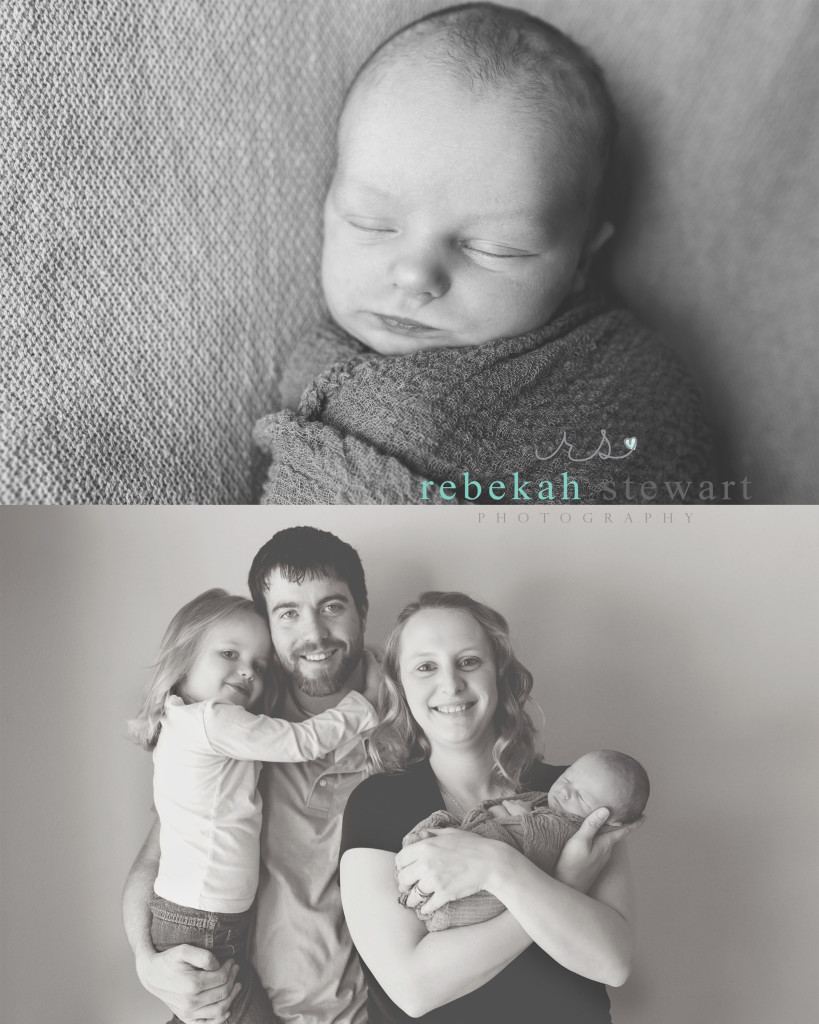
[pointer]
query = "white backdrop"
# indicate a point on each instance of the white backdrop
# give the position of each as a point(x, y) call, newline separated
point(691, 645)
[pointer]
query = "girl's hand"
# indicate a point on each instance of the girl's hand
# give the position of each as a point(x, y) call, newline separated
point(586, 854)
point(448, 865)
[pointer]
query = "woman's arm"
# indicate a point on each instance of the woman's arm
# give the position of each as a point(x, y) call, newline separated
point(592, 934)
point(417, 969)
point(588, 934)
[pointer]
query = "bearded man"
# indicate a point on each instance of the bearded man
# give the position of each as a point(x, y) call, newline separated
point(310, 587)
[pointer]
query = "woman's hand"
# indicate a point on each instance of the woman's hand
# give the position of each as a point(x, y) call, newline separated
point(588, 851)
point(419, 970)
point(448, 865)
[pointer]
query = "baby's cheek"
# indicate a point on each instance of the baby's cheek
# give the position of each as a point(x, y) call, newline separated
point(339, 289)
point(353, 278)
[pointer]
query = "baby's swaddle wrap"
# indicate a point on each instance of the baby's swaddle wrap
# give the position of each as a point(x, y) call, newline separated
point(539, 835)
point(371, 429)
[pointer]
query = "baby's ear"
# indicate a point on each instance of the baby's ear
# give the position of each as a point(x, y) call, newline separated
point(594, 244)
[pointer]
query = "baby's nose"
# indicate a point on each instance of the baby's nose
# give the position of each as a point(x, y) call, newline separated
point(421, 272)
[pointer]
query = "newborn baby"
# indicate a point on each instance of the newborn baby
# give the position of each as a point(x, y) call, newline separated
point(467, 358)
point(539, 824)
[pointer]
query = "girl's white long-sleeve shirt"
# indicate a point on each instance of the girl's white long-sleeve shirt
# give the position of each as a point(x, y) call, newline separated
point(206, 767)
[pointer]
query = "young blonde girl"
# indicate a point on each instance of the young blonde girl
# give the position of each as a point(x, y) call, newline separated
point(197, 716)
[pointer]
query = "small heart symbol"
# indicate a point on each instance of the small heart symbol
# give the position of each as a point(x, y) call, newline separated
point(630, 443)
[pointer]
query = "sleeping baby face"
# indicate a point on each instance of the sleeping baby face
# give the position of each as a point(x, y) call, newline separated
point(588, 784)
point(446, 222)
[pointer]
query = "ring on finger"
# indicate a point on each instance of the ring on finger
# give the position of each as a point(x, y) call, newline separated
point(424, 897)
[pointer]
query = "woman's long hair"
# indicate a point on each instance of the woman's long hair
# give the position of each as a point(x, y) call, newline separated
point(399, 741)
point(177, 653)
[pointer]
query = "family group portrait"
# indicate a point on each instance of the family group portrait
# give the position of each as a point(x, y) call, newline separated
point(359, 766)
point(402, 252)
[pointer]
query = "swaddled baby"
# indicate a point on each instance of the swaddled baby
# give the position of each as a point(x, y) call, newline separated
point(539, 824)
point(467, 358)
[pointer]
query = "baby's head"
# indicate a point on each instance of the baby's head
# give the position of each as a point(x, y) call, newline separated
point(605, 778)
point(467, 200)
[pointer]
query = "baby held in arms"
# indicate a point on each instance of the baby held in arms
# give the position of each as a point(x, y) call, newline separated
point(468, 356)
point(539, 824)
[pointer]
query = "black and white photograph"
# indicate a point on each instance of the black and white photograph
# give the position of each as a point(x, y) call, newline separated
point(398, 252)
point(409, 511)
point(349, 765)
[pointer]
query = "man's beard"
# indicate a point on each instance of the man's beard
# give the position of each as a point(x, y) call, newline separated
point(330, 680)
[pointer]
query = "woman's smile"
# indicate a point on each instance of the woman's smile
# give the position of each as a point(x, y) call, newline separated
point(453, 709)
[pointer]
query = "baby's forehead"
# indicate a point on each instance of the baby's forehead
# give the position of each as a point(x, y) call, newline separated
point(543, 126)
point(484, 48)
point(483, 60)
point(410, 104)
point(589, 766)
point(410, 73)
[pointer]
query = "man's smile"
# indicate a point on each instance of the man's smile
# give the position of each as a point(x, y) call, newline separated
point(320, 655)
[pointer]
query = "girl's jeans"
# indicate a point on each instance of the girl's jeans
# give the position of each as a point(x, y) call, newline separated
point(224, 935)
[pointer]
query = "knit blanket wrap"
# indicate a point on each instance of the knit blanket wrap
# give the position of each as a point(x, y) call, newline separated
point(539, 835)
point(592, 389)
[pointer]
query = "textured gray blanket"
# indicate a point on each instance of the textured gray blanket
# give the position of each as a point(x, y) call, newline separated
point(591, 395)
point(162, 172)
point(539, 835)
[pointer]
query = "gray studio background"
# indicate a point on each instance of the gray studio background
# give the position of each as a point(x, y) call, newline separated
point(692, 647)
point(162, 170)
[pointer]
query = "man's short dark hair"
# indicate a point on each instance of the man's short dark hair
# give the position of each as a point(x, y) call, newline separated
point(301, 552)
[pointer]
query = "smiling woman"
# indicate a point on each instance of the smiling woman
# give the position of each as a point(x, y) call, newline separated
point(454, 732)
point(448, 672)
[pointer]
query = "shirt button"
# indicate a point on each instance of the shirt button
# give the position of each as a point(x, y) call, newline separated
point(322, 782)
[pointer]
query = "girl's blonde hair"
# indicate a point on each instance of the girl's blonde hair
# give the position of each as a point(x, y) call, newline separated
point(399, 741)
point(177, 654)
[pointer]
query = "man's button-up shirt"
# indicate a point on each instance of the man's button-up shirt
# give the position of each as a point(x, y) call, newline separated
point(302, 950)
